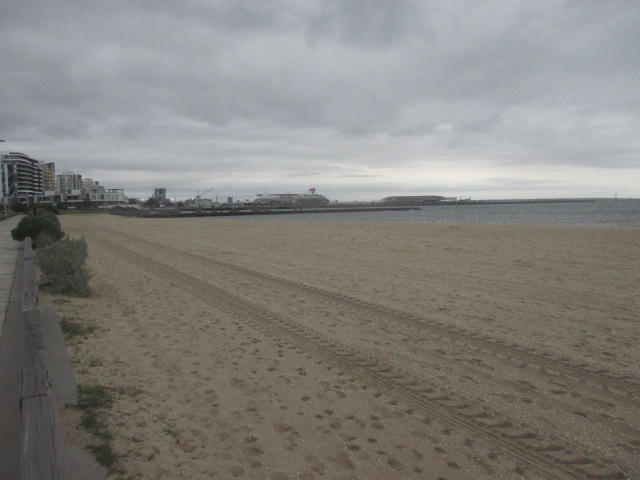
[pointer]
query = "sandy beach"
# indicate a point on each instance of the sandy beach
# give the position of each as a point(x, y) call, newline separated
point(276, 349)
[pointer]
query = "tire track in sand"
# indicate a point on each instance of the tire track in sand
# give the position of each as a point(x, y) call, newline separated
point(500, 349)
point(525, 446)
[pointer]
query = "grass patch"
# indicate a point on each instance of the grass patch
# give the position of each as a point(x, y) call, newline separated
point(93, 396)
point(93, 211)
point(104, 454)
point(92, 424)
point(72, 329)
point(172, 433)
point(129, 391)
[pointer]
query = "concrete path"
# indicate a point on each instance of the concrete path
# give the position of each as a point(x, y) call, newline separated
point(8, 257)
point(11, 280)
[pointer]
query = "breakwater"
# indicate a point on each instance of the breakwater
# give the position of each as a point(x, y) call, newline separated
point(243, 211)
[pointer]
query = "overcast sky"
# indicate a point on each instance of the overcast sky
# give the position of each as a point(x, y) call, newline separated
point(358, 98)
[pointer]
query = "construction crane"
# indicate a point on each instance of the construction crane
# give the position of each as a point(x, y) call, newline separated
point(199, 195)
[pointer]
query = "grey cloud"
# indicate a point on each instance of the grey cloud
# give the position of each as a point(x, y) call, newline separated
point(286, 88)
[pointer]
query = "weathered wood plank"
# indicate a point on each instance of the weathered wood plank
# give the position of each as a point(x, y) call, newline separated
point(30, 288)
point(42, 456)
point(35, 373)
point(27, 248)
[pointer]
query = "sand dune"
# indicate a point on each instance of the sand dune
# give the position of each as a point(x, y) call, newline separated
point(274, 349)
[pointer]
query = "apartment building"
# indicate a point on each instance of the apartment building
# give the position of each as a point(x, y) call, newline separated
point(27, 180)
point(68, 181)
point(49, 176)
point(89, 184)
point(22, 178)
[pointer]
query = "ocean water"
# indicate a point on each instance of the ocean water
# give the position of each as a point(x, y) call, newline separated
point(604, 212)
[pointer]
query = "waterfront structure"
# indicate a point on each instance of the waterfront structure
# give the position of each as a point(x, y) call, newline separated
point(105, 197)
point(290, 200)
point(22, 178)
point(413, 200)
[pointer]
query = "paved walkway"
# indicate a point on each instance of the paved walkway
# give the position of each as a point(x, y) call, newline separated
point(11, 280)
point(8, 257)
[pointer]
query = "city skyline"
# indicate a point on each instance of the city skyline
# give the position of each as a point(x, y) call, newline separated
point(359, 99)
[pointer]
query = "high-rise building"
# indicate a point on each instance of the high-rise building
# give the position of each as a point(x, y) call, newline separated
point(22, 178)
point(89, 184)
point(160, 194)
point(48, 176)
point(68, 181)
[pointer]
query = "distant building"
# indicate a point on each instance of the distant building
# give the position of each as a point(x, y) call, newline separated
point(206, 203)
point(89, 184)
point(67, 181)
point(22, 178)
point(160, 194)
point(27, 180)
point(290, 200)
point(74, 198)
point(105, 197)
point(49, 176)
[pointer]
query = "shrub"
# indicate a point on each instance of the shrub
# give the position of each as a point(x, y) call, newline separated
point(43, 229)
point(47, 207)
point(18, 207)
point(63, 265)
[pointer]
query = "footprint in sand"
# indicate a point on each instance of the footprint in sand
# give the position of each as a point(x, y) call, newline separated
point(282, 427)
point(315, 465)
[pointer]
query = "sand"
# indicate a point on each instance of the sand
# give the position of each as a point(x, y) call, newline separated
point(275, 349)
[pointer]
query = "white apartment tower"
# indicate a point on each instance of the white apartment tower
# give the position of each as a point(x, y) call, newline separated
point(67, 181)
point(22, 178)
point(89, 184)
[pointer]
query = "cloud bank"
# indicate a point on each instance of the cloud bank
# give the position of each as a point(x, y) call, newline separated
point(361, 99)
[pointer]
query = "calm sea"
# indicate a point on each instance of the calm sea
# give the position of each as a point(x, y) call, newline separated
point(605, 212)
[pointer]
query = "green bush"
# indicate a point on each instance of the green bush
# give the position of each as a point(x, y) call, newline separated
point(43, 229)
point(18, 207)
point(46, 207)
point(63, 265)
